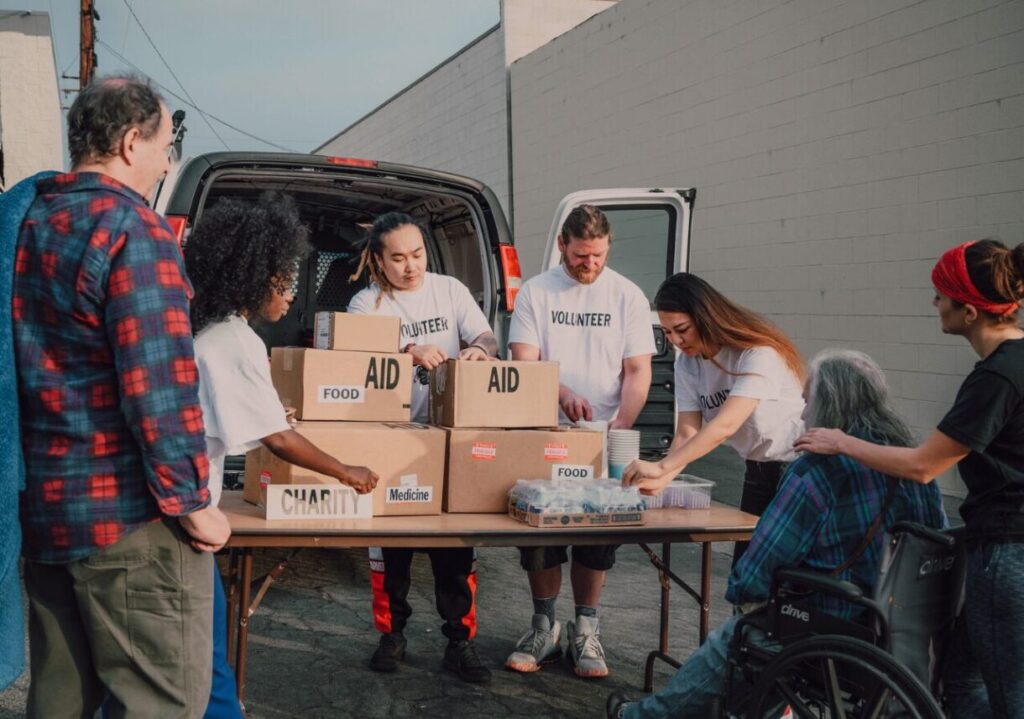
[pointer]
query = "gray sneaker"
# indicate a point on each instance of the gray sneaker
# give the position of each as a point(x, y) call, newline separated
point(541, 645)
point(585, 650)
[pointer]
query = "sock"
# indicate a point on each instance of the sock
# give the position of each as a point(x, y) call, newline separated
point(582, 610)
point(545, 606)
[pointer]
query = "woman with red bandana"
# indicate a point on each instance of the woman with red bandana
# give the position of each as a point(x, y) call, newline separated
point(979, 287)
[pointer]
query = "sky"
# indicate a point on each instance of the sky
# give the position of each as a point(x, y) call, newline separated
point(292, 73)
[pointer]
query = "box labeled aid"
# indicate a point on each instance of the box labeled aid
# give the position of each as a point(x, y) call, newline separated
point(494, 394)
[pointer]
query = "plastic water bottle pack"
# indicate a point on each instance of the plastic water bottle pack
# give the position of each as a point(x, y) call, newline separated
point(588, 496)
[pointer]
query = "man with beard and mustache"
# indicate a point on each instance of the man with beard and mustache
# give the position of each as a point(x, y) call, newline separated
point(596, 324)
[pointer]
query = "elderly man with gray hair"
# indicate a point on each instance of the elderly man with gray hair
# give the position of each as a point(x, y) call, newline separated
point(824, 508)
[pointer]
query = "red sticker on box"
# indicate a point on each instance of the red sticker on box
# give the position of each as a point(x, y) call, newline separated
point(484, 450)
point(555, 452)
point(264, 479)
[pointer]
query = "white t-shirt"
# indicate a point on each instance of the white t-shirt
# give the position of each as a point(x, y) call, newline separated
point(240, 404)
point(588, 329)
point(439, 313)
point(761, 374)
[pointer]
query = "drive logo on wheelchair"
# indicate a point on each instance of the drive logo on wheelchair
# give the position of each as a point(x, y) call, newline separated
point(788, 610)
point(935, 565)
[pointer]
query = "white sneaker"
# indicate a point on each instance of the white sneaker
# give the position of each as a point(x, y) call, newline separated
point(541, 645)
point(585, 650)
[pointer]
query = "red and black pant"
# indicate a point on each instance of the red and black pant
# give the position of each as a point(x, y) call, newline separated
point(454, 588)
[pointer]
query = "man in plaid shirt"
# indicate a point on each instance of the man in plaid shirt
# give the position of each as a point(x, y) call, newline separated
point(115, 500)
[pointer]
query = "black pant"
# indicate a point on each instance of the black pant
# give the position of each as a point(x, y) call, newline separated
point(454, 589)
point(760, 483)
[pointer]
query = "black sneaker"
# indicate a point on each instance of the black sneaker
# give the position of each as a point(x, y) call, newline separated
point(615, 705)
point(390, 651)
point(461, 658)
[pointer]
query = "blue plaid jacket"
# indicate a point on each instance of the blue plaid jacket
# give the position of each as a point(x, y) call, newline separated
point(821, 514)
point(112, 431)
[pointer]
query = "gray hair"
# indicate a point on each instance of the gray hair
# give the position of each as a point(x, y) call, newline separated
point(848, 391)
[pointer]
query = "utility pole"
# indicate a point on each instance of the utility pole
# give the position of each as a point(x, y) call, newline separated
point(87, 49)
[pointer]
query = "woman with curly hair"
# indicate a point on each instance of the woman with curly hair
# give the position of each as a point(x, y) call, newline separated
point(242, 259)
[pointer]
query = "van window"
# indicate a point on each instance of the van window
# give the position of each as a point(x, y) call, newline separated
point(643, 244)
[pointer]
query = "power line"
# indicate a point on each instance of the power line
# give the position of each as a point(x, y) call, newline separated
point(167, 65)
point(188, 103)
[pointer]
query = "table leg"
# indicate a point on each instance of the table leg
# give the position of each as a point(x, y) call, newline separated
point(243, 622)
point(705, 589)
point(665, 577)
point(232, 602)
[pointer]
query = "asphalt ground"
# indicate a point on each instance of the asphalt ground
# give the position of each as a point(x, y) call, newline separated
point(312, 636)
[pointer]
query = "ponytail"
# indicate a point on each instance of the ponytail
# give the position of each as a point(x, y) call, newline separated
point(998, 274)
point(373, 250)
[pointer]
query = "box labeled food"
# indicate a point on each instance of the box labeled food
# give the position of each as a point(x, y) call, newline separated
point(356, 332)
point(484, 464)
point(408, 458)
point(343, 385)
point(494, 394)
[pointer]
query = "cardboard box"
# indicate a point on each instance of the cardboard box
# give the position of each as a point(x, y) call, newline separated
point(484, 464)
point(409, 458)
point(494, 394)
point(562, 520)
point(360, 333)
point(332, 385)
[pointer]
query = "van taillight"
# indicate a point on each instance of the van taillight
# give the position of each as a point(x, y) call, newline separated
point(177, 223)
point(351, 162)
point(511, 274)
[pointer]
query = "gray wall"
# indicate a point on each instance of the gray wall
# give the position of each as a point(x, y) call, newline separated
point(837, 147)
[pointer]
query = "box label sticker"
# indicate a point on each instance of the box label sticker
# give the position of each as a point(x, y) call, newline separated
point(484, 450)
point(340, 394)
point(409, 494)
point(323, 330)
point(555, 452)
point(289, 359)
point(317, 501)
point(572, 471)
point(264, 478)
point(408, 480)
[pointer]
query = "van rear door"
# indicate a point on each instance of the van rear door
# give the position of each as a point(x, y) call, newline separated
point(651, 228)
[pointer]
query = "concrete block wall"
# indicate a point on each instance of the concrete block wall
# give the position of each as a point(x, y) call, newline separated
point(30, 115)
point(455, 119)
point(837, 147)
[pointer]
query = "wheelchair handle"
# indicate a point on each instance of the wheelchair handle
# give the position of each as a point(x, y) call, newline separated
point(819, 582)
point(919, 530)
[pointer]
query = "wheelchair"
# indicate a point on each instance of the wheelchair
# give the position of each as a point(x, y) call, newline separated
point(885, 664)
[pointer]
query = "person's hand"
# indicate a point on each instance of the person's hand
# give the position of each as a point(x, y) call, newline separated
point(289, 415)
point(427, 356)
point(361, 479)
point(574, 406)
point(208, 527)
point(618, 424)
point(473, 354)
point(649, 477)
point(820, 441)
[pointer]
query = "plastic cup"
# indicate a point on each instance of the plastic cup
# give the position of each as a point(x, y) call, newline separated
point(598, 425)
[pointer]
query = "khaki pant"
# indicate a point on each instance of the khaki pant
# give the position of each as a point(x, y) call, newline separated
point(131, 625)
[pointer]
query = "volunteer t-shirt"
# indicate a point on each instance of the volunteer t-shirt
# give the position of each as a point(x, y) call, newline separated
point(588, 329)
point(758, 373)
point(440, 313)
point(988, 417)
point(240, 404)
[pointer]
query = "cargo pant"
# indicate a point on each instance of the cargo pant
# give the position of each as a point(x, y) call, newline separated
point(130, 623)
point(454, 588)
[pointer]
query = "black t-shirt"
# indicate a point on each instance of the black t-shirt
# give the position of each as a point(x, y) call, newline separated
point(988, 417)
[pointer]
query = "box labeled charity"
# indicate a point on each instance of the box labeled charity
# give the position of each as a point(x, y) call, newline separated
point(484, 463)
point(356, 332)
point(494, 394)
point(342, 384)
point(408, 458)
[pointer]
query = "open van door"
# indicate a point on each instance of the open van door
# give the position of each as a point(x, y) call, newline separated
point(651, 242)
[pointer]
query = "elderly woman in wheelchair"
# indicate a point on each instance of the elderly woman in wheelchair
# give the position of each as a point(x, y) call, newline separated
point(807, 632)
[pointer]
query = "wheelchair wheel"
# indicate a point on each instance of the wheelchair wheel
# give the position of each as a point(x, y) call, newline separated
point(840, 678)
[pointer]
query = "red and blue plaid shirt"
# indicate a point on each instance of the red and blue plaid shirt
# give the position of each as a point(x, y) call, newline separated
point(112, 430)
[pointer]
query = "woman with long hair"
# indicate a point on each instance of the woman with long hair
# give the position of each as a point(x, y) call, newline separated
point(738, 379)
point(979, 287)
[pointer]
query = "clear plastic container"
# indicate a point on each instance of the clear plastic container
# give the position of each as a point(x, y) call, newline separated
point(688, 491)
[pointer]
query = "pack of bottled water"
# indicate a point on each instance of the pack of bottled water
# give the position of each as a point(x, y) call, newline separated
point(577, 496)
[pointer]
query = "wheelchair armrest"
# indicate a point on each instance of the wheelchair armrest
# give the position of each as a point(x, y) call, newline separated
point(819, 582)
point(919, 530)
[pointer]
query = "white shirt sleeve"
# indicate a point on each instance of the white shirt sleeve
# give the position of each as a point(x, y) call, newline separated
point(687, 394)
point(639, 330)
point(523, 328)
point(470, 317)
point(761, 371)
point(243, 404)
point(361, 303)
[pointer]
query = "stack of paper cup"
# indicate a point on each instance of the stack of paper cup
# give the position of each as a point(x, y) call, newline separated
point(623, 448)
point(598, 425)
